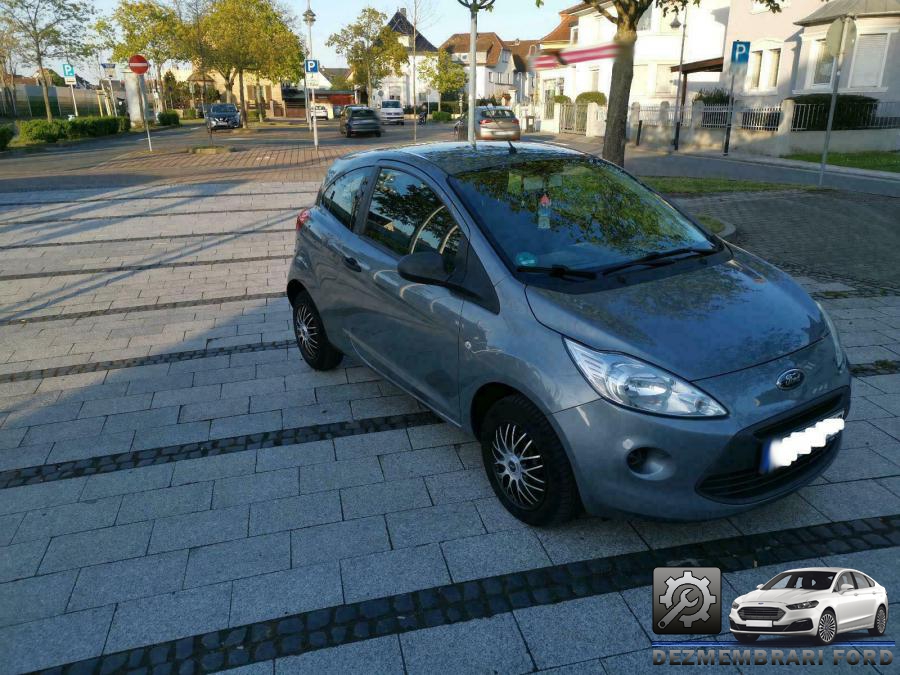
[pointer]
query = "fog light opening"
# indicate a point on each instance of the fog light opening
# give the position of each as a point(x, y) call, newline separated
point(646, 461)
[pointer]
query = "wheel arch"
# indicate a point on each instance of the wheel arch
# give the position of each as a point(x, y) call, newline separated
point(485, 397)
point(294, 288)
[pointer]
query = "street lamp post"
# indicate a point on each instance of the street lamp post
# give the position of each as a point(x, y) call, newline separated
point(682, 80)
point(310, 18)
point(474, 6)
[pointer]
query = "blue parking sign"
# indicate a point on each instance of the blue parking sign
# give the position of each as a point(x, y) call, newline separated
point(311, 66)
point(740, 52)
point(68, 70)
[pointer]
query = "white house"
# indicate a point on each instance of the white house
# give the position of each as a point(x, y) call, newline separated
point(400, 87)
point(500, 67)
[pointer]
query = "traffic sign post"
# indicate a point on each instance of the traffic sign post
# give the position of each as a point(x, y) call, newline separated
point(311, 69)
point(71, 80)
point(841, 37)
point(740, 55)
point(138, 65)
point(109, 72)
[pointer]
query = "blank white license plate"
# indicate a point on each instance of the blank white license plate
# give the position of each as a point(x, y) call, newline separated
point(781, 452)
point(756, 623)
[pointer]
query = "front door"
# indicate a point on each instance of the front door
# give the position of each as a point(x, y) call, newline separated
point(407, 331)
point(851, 606)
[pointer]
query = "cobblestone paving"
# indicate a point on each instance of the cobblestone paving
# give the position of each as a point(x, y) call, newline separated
point(279, 543)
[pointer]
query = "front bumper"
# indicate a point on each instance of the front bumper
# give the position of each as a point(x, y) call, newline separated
point(499, 134)
point(698, 469)
point(398, 119)
point(789, 621)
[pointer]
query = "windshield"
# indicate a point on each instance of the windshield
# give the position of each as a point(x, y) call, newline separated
point(805, 579)
point(390, 104)
point(577, 212)
point(224, 108)
point(362, 113)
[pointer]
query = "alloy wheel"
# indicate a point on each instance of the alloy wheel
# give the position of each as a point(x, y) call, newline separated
point(827, 627)
point(519, 467)
point(881, 620)
point(307, 331)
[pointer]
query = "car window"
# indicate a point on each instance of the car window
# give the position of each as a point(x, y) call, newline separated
point(805, 579)
point(845, 578)
point(862, 581)
point(342, 196)
point(406, 216)
point(498, 114)
point(573, 211)
point(390, 104)
point(363, 113)
point(224, 108)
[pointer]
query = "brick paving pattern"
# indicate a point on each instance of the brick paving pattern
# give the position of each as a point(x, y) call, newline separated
point(207, 554)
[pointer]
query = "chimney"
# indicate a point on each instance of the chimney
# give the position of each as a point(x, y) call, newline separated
point(403, 11)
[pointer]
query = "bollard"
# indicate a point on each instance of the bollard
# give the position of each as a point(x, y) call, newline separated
point(637, 141)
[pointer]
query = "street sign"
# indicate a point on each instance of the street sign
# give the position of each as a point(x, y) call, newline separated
point(109, 70)
point(312, 80)
point(138, 64)
point(311, 66)
point(71, 80)
point(68, 70)
point(740, 52)
point(833, 39)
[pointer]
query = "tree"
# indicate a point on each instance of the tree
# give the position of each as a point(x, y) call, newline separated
point(625, 14)
point(47, 29)
point(9, 56)
point(371, 48)
point(149, 28)
point(443, 74)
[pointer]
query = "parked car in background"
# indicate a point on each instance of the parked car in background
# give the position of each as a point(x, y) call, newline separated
point(605, 349)
point(321, 112)
point(491, 124)
point(337, 109)
point(391, 112)
point(223, 115)
point(817, 601)
point(357, 120)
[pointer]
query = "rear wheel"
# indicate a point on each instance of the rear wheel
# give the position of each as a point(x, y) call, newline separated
point(827, 629)
point(880, 623)
point(745, 638)
point(526, 464)
point(349, 133)
point(312, 340)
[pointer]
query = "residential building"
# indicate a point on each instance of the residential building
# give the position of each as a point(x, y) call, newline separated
point(399, 87)
point(501, 68)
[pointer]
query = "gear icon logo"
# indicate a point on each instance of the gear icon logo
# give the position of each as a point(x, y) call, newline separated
point(687, 600)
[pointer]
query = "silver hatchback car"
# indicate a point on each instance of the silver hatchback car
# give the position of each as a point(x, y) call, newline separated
point(605, 349)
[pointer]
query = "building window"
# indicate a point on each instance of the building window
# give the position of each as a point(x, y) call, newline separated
point(754, 69)
point(868, 60)
point(824, 64)
point(595, 79)
point(573, 35)
point(639, 81)
point(644, 21)
point(774, 64)
point(664, 83)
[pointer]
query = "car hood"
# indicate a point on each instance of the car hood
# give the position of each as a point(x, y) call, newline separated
point(695, 324)
point(786, 596)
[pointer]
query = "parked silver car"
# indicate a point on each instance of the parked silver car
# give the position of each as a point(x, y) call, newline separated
point(603, 347)
point(491, 123)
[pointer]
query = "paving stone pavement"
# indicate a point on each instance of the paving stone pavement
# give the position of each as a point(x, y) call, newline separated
point(97, 564)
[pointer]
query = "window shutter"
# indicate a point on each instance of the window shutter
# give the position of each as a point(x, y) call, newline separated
point(868, 60)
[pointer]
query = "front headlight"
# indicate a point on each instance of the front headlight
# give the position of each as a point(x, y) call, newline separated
point(835, 340)
point(805, 605)
point(632, 383)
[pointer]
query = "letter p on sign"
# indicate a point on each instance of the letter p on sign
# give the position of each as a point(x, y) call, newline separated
point(740, 52)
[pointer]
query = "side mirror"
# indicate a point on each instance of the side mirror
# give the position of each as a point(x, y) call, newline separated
point(759, 587)
point(846, 587)
point(426, 267)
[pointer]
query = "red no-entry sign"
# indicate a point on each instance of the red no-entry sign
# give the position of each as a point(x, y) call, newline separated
point(138, 64)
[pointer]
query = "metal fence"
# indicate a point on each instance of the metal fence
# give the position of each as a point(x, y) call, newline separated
point(847, 115)
point(766, 118)
point(549, 108)
point(573, 118)
point(665, 115)
point(715, 116)
point(26, 101)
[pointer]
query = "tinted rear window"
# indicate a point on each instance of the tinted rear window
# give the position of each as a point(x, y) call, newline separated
point(390, 104)
point(496, 114)
point(362, 113)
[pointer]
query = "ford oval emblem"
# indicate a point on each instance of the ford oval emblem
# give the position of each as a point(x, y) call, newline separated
point(790, 379)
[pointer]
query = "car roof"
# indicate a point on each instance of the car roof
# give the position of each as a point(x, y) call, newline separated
point(834, 570)
point(455, 158)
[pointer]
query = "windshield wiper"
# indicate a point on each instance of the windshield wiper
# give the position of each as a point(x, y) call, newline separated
point(558, 271)
point(659, 258)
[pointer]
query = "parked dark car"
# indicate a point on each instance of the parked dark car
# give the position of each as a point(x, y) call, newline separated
point(359, 120)
point(223, 115)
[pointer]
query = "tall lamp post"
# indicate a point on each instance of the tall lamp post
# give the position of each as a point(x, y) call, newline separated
point(682, 80)
point(474, 6)
point(310, 18)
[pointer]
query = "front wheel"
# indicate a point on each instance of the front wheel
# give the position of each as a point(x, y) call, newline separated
point(527, 465)
point(827, 629)
point(880, 623)
point(312, 340)
point(745, 638)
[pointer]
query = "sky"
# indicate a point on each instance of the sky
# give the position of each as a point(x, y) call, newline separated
point(510, 19)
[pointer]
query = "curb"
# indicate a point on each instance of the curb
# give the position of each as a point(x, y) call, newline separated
point(796, 164)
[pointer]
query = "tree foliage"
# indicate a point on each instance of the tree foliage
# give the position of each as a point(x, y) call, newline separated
point(47, 29)
point(443, 74)
point(371, 49)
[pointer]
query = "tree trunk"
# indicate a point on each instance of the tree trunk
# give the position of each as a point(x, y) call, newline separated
point(45, 88)
point(439, 101)
point(619, 91)
point(243, 102)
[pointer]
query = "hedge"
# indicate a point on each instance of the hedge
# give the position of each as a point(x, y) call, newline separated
point(597, 97)
point(441, 116)
point(851, 111)
point(6, 134)
point(561, 98)
point(716, 96)
point(79, 127)
point(168, 118)
point(42, 130)
point(91, 127)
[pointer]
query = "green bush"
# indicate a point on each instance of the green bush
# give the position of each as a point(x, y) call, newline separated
point(716, 96)
point(252, 115)
point(851, 111)
point(124, 123)
point(440, 116)
point(597, 97)
point(91, 127)
point(561, 98)
point(6, 134)
point(189, 114)
point(42, 130)
point(168, 118)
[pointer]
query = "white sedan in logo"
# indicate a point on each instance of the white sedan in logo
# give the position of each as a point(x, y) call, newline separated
point(818, 601)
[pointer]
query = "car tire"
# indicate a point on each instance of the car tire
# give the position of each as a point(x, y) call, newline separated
point(378, 134)
point(349, 133)
point(880, 623)
point(745, 638)
point(312, 340)
point(522, 453)
point(826, 630)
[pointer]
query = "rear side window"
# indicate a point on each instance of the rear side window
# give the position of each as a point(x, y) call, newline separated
point(862, 581)
point(342, 197)
point(406, 216)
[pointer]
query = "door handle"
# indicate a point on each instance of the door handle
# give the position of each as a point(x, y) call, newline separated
point(352, 263)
